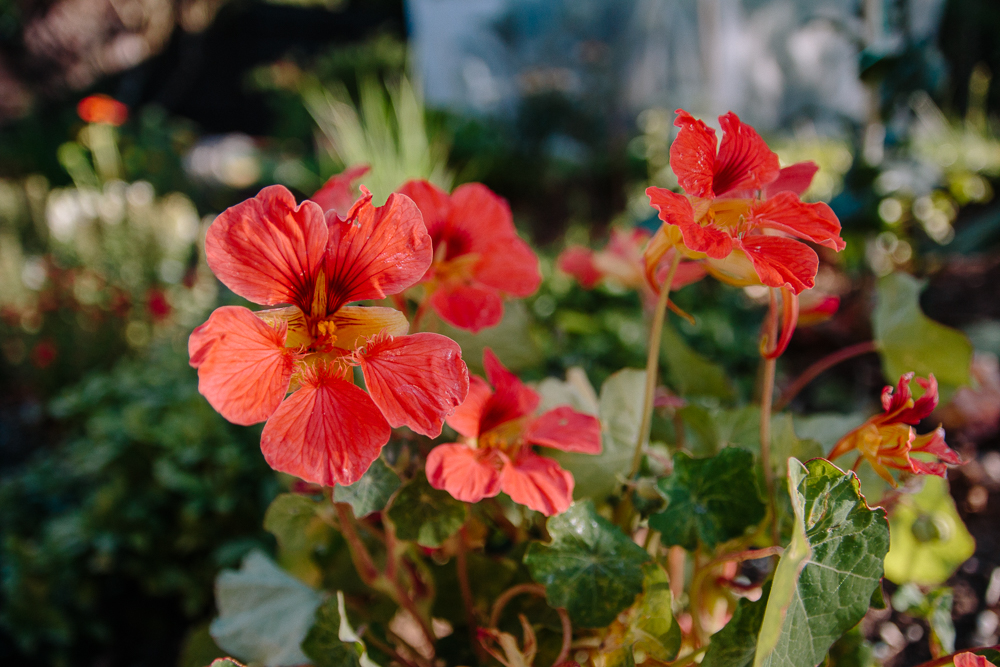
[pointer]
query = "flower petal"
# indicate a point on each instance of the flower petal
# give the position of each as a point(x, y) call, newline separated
point(539, 483)
point(509, 265)
point(482, 214)
point(566, 429)
point(337, 194)
point(933, 443)
point(376, 252)
point(972, 660)
point(813, 222)
point(511, 399)
point(578, 262)
point(433, 202)
point(692, 155)
point(466, 417)
point(328, 432)
point(467, 474)
point(781, 261)
point(795, 178)
point(415, 380)
point(744, 160)
point(675, 209)
point(267, 249)
point(469, 307)
point(356, 324)
point(243, 366)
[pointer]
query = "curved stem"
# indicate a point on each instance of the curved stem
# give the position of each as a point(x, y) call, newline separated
point(567, 640)
point(821, 366)
point(510, 594)
point(652, 364)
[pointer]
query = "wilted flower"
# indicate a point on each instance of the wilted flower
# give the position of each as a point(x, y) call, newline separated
point(498, 455)
point(478, 256)
point(888, 440)
point(272, 252)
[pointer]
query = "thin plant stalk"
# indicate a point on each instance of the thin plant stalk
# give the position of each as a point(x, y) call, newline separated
point(766, 403)
point(652, 364)
point(821, 366)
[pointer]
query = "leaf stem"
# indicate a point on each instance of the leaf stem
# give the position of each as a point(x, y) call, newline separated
point(510, 594)
point(770, 334)
point(462, 566)
point(820, 366)
point(652, 364)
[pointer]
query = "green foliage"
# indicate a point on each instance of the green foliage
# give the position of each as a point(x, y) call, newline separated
point(709, 500)
point(293, 520)
point(929, 540)
point(690, 373)
point(710, 429)
point(654, 630)
point(734, 645)
point(910, 341)
point(371, 493)
point(264, 613)
point(934, 607)
point(826, 576)
point(331, 641)
point(590, 567)
point(424, 514)
point(851, 650)
point(125, 522)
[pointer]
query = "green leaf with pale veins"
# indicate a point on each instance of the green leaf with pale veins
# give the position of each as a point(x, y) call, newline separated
point(331, 641)
point(620, 411)
point(590, 568)
point(371, 493)
point(825, 578)
point(264, 613)
point(908, 340)
point(735, 643)
point(424, 514)
point(709, 500)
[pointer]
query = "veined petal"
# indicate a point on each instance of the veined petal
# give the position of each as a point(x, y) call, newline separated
point(415, 380)
point(511, 399)
point(933, 443)
point(692, 155)
point(566, 429)
point(813, 222)
point(356, 324)
point(744, 160)
point(294, 321)
point(469, 307)
point(338, 193)
point(509, 265)
point(467, 474)
point(328, 432)
point(538, 483)
point(795, 178)
point(466, 417)
point(243, 366)
point(267, 249)
point(781, 261)
point(578, 262)
point(376, 252)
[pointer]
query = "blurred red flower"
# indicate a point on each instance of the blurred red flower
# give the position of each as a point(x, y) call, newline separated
point(338, 194)
point(272, 252)
point(497, 454)
point(102, 109)
point(478, 256)
point(157, 304)
point(887, 440)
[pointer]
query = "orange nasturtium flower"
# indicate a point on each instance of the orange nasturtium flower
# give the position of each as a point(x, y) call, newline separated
point(740, 213)
point(887, 440)
point(272, 252)
point(497, 453)
point(969, 659)
point(478, 256)
point(102, 109)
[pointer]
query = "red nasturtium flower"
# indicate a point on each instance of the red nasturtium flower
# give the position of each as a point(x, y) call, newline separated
point(272, 252)
point(102, 109)
point(497, 453)
point(887, 440)
point(338, 194)
point(969, 659)
point(478, 256)
point(740, 213)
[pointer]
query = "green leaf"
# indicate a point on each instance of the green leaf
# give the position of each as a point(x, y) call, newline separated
point(371, 493)
point(735, 643)
point(827, 429)
point(424, 514)
point(851, 650)
point(824, 580)
point(934, 607)
point(620, 410)
point(785, 444)
point(590, 568)
point(292, 519)
point(264, 613)
point(710, 430)
point(331, 641)
point(575, 391)
point(654, 630)
point(690, 373)
point(929, 539)
point(709, 500)
point(910, 341)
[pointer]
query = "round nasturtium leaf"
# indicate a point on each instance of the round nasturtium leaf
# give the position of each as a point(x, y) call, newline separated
point(928, 539)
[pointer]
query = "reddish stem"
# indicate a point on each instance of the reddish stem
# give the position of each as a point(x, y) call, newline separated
point(822, 365)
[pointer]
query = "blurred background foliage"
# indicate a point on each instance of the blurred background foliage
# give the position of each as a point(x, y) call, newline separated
point(122, 493)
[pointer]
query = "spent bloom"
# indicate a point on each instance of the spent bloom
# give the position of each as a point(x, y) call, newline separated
point(274, 253)
point(497, 453)
point(887, 440)
point(478, 256)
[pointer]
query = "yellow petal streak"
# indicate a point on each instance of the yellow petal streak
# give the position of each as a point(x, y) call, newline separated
point(356, 323)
